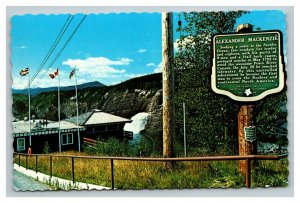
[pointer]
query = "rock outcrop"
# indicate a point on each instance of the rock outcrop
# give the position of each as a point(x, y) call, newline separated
point(126, 99)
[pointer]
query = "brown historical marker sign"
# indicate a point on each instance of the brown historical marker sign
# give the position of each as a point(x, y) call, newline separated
point(249, 66)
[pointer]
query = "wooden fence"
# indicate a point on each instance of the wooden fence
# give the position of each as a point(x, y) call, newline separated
point(247, 158)
point(89, 141)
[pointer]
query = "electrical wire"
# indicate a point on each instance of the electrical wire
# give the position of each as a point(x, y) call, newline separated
point(61, 50)
point(54, 45)
point(63, 30)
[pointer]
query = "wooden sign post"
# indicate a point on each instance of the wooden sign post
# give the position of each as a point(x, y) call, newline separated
point(246, 147)
point(245, 119)
point(247, 66)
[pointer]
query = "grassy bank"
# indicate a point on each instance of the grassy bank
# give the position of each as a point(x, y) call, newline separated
point(153, 175)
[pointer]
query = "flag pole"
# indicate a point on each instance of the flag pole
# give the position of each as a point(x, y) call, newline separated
point(29, 113)
point(77, 112)
point(58, 98)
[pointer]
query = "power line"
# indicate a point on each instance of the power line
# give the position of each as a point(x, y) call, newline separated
point(54, 45)
point(61, 50)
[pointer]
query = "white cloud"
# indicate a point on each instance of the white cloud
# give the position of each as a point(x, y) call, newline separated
point(134, 75)
point(21, 47)
point(46, 81)
point(90, 69)
point(20, 82)
point(158, 69)
point(115, 83)
point(82, 81)
point(150, 64)
point(141, 50)
point(99, 67)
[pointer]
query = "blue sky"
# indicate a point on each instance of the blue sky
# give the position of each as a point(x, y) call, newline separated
point(108, 48)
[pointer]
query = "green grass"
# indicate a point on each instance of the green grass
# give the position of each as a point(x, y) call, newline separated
point(270, 173)
point(154, 175)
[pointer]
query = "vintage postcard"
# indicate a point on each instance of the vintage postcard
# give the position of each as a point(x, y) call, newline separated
point(175, 100)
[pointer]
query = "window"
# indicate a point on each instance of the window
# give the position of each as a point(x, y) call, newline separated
point(67, 138)
point(20, 144)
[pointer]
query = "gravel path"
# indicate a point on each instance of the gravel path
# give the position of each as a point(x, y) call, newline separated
point(24, 183)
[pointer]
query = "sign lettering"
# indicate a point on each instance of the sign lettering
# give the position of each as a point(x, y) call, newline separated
point(247, 67)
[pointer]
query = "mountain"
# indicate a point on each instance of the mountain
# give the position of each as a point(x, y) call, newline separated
point(141, 94)
point(126, 99)
point(36, 91)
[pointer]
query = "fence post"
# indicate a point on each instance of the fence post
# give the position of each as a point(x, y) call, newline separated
point(73, 170)
point(112, 174)
point(50, 166)
point(19, 160)
point(248, 173)
point(26, 161)
point(36, 163)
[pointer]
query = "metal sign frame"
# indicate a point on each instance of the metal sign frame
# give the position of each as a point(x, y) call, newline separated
point(248, 97)
point(245, 133)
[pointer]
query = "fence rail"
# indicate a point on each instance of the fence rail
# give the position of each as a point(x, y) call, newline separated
point(89, 141)
point(247, 158)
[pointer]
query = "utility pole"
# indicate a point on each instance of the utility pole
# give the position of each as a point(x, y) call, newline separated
point(168, 84)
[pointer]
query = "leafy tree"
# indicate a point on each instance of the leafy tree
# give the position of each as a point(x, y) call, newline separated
point(271, 119)
point(20, 106)
point(211, 119)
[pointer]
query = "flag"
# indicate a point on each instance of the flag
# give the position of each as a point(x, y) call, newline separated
point(55, 73)
point(24, 71)
point(72, 73)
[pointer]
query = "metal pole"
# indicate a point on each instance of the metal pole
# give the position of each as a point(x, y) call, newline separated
point(77, 111)
point(29, 113)
point(168, 83)
point(36, 163)
point(58, 98)
point(73, 174)
point(184, 135)
point(51, 166)
point(112, 174)
point(26, 161)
